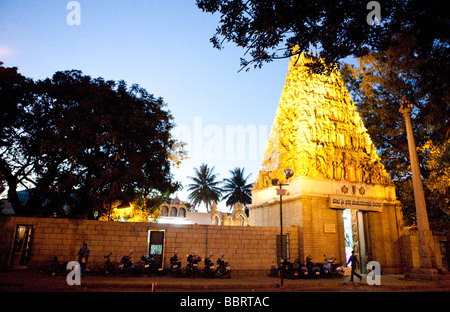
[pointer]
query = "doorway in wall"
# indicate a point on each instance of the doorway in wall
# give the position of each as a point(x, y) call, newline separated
point(348, 234)
point(354, 236)
point(285, 247)
point(23, 241)
point(156, 246)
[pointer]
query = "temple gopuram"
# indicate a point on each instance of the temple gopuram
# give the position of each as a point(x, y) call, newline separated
point(340, 196)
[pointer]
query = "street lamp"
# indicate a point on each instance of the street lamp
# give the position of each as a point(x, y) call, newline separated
point(288, 173)
point(426, 253)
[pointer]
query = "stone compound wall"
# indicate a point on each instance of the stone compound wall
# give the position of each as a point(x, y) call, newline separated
point(247, 249)
point(410, 250)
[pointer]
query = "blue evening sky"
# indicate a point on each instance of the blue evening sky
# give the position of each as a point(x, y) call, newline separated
point(162, 45)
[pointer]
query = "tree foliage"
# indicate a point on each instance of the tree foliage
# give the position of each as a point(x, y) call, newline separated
point(144, 208)
point(438, 182)
point(269, 29)
point(206, 188)
point(236, 189)
point(15, 98)
point(377, 86)
point(83, 142)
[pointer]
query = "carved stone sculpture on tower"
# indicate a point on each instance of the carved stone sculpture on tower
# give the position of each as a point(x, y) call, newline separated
point(317, 132)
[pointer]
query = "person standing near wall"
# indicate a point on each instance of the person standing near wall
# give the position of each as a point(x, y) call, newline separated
point(83, 255)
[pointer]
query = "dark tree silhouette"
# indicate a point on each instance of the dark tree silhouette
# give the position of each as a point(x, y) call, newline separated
point(84, 142)
point(236, 188)
point(205, 188)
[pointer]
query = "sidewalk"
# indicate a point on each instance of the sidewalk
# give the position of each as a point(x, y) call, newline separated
point(25, 281)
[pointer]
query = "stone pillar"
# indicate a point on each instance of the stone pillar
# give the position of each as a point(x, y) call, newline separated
point(427, 256)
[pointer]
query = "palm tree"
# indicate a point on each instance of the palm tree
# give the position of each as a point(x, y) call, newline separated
point(236, 188)
point(205, 188)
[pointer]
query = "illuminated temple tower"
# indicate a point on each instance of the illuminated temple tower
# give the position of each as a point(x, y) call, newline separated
point(340, 196)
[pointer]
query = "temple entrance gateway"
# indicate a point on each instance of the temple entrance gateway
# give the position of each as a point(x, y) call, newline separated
point(355, 238)
point(318, 134)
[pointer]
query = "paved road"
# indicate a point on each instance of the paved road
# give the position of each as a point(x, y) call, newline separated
point(25, 281)
point(31, 290)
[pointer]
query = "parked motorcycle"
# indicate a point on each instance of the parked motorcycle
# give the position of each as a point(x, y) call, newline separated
point(192, 269)
point(54, 267)
point(338, 269)
point(108, 267)
point(286, 269)
point(223, 268)
point(297, 269)
point(209, 269)
point(330, 269)
point(304, 272)
point(126, 266)
point(313, 270)
point(150, 266)
point(273, 271)
point(175, 264)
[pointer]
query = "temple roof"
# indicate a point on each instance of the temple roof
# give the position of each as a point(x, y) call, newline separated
point(317, 131)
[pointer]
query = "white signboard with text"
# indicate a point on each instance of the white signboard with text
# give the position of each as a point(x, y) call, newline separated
point(364, 204)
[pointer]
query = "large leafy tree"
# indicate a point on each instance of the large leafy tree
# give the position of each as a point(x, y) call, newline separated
point(16, 98)
point(205, 188)
point(377, 86)
point(236, 189)
point(270, 29)
point(89, 143)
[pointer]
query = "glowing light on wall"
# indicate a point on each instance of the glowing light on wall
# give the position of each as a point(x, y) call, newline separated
point(168, 220)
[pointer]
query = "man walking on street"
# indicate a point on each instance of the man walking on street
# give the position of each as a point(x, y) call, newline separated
point(354, 260)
